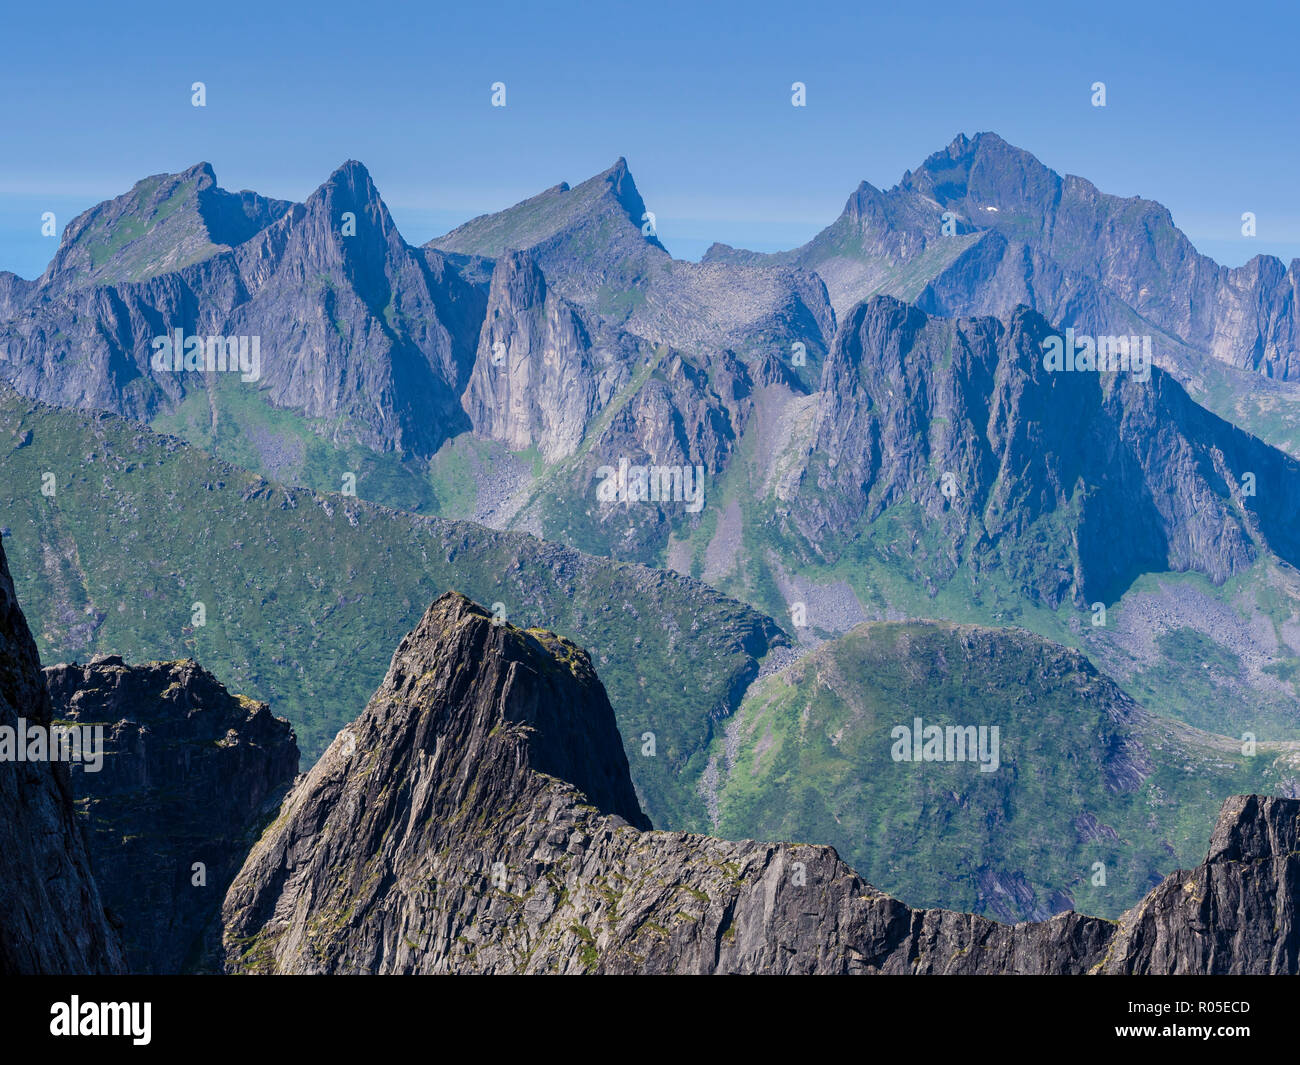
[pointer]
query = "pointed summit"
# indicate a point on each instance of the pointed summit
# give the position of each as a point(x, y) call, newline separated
point(353, 177)
point(608, 199)
point(350, 189)
point(984, 171)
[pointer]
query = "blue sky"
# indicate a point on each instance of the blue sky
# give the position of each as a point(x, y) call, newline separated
point(1200, 114)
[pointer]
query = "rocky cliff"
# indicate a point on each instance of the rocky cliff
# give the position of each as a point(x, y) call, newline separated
point(1234, 913)
point(982, 226)
point(478, 817)
point(52, 919)
point(542, 369)
point(189, 773)
point(353, 325)
point(1072, 483)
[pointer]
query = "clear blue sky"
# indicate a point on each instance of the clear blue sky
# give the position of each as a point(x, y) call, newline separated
point(1201, 108)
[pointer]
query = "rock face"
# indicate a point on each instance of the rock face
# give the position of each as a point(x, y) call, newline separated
point(355, 322)
point(353, 325)
point(478, 817)
point(1121, 475)
point(165, 223)
point(1236, 913)
point(597, 246)
point(52, 919)
point(811, 755)
point(1019, 233)
point(538, 377)
point(189, 773)
point(584, 238)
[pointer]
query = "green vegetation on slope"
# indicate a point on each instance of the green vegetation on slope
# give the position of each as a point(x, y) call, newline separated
point(306, 596)
point(1085, 775)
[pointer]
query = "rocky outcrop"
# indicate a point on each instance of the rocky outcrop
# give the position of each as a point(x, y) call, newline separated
point(478, 817)
point(540, 374)
point(598, 247)
point(982, 226)
point(596, 235)
point(52, 919)
point(165, 223)
point(355, 322)
point(1235, 913)
point(1128, 248)
point(189, 774)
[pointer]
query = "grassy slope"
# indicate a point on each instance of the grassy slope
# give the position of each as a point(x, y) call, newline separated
point(1196, 676)
point(819, 734)
point(308, 595)
point(901, 565)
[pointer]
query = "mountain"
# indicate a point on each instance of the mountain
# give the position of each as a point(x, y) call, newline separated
point(336, 581)
point(599, 220)
point(909, 403)
point(544, 368)
point(899, 464)
point(349, 324)
point(1229, 915)
point(941, 469)
point(478, 818)
point(171, 814)
point(595, 246)
point(328, 584)
point(1071, 777)
point(1021, 233)
point(52, 919)
point(164, 224)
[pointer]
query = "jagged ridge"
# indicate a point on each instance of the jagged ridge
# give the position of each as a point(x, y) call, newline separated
point(434, 836)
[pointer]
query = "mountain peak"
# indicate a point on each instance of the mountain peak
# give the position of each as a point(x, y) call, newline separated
point(353, 181)
point(352, 171)
point(436, 836)
point(350, 189)
point(557, 213)
point(982, 171)
point(164, 223)
point(200, 172)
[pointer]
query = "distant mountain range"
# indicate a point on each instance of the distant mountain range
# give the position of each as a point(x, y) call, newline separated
point(345, 305)
point(873, 431)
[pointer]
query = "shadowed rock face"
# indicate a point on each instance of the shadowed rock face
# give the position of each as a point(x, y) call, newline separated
point(189, 773)
point(51, 917)
point(443, 832)
point(982, 226)
point(352, 323)
point(1236, 913)
point(907, 399)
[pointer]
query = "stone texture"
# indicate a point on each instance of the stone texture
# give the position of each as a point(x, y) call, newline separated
point(190, 774)
point(52, 920)
point(478, 817)
point(1236, 913)
point(1133, 474)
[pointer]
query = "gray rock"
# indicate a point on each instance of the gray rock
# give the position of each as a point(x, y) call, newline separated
point(190, 772)
point(52, 919)
point(478, 817)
